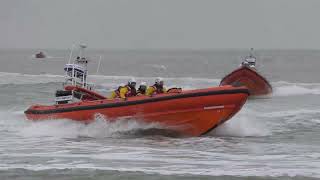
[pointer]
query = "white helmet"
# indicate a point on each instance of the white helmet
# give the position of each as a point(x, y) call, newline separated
point(143, 84)
point(132, 80)
point(158, 80)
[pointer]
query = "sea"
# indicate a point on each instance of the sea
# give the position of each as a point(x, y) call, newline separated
point(275, 137)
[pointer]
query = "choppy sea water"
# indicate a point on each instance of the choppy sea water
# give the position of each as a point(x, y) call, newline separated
point(272, 138)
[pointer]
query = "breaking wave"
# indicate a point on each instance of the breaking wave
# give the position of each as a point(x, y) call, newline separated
point(17, 78)
point(15, 122)
point(107, 83)
point(243, 124)
point(293, 89)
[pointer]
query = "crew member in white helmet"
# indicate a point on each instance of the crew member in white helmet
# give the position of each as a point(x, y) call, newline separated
point(142, 89)
point(125, 91)
point(157, 88)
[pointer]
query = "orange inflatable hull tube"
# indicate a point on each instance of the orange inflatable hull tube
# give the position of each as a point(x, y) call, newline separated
point(249, 77)
point(190, 112)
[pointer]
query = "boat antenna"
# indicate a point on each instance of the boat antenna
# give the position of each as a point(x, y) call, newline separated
point(251, 52)
point(70, 56)
point(82, 47)
point(99, 64)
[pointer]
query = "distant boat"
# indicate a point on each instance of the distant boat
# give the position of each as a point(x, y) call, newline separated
point(40, 55)
point(248, 76)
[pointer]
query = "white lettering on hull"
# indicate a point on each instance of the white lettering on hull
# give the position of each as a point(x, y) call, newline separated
point(213, 107)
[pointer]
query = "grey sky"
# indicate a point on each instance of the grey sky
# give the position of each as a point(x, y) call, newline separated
point(134, 24)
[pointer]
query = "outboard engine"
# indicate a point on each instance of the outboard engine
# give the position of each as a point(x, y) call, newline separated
point(63, 96)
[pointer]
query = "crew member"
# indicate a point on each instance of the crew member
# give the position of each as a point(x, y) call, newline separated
point(125, 91)
point(157, 88)
point(142, 89)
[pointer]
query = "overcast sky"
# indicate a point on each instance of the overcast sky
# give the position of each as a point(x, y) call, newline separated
point(135, 24)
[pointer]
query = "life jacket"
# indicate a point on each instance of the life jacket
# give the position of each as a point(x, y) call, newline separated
point(157, 90)
point(131, 91)
point(117, 91)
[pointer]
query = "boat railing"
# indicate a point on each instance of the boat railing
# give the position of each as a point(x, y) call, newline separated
point(76, 72)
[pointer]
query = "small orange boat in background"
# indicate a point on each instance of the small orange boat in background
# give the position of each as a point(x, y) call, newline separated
point(248, 76)
point(187, 112)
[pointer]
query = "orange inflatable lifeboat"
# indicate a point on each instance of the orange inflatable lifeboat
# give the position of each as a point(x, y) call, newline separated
point(248, 76)
point(191, 112)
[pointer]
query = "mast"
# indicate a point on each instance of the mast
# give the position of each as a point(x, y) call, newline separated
point(251, 54)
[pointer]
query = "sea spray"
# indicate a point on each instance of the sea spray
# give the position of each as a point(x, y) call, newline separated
point(243, 124)
point(101, 127)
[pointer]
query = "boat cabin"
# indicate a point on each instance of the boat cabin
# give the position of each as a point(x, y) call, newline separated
point(76, 74)
point(249, 61)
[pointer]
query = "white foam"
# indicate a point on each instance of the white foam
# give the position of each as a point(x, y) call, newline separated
point(110, 82)
point(149, 159)
point(11, 120)
point(14, 121)
point(316, 121)
point(243, 124)
point(100, 128)
point(283, 88)
point(17, 78)
point(223, 169)
point(295, 90)
point(298, 112)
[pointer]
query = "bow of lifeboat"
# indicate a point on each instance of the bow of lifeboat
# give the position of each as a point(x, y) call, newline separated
point(249, 77)
point(191, 112)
